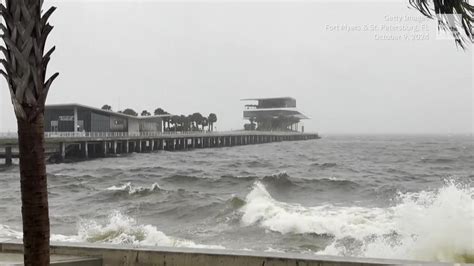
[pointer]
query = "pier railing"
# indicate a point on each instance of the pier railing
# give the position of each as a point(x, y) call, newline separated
point(13, 135)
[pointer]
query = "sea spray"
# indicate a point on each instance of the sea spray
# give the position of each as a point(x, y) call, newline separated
point(433, 225)
point(427, 225)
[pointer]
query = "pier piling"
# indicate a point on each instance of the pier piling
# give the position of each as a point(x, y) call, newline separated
point(62, 150)
point(101, 146)
point(85, 149)
point(8, 156)
point(104, 148)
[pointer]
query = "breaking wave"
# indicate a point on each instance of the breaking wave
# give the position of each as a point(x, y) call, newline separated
point(117, 229)
point(428, 225)
point(124, 230)
point(9, 233)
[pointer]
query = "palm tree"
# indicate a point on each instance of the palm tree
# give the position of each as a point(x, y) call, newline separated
point(212, 118)
point(252, 123)
point(106, 107)
point(197, 119)
point(145, 113)
point(461, 30)
point(25, 32)
point(204, 123)
point(184, 122)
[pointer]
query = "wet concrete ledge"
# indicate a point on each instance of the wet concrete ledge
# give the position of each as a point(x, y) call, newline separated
point(16, 259)
point(119, 255)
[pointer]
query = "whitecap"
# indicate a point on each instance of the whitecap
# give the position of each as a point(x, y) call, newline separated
point(262, 209)
point(124, 230)
point(128, 187)
point(428, 225)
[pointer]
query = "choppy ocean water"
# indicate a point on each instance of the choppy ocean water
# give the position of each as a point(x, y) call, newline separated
point(409, 197)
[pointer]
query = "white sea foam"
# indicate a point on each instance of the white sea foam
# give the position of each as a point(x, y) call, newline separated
point(432, 225)
point(340, 222)
point(118, 229)
point(8, 233)
point(121, 229)
point(134, 189)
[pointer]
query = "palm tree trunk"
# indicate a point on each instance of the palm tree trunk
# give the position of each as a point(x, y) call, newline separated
point(34, 191)
point(24, 32)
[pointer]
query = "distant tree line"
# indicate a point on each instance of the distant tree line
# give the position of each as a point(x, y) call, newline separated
point(192, 122)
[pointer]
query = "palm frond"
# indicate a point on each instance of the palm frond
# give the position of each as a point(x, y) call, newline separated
point(444, 10)
point(24, 33)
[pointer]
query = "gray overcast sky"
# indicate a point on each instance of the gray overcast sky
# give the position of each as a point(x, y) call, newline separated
point(205, 56)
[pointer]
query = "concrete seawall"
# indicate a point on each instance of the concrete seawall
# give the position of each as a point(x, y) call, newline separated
point(112, 255)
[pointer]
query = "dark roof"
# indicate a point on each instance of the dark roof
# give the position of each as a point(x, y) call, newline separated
point(289, 111)
point(102, 111)
point(274, 98)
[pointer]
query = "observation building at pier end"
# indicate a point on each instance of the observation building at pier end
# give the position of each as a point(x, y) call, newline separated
point(79, 118)
point(273, 114)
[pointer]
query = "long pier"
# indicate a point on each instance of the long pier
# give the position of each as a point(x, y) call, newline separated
point(84, 145)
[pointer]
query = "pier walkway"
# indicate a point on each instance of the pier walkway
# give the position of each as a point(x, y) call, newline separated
point(84, 145)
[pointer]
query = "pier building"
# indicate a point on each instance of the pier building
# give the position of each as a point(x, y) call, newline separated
point(75, 131)
point(273, 114)
point(79, 118)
